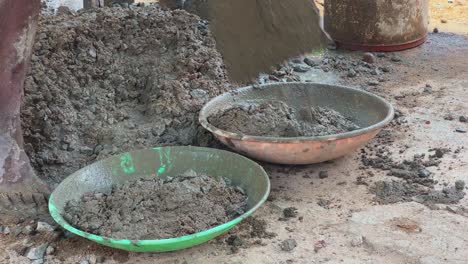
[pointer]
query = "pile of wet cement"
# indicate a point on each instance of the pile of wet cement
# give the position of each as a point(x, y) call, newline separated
point(156, 208)
point(104, 81)
point(277, 119)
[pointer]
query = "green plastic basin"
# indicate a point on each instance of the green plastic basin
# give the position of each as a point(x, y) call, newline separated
point(162, 162)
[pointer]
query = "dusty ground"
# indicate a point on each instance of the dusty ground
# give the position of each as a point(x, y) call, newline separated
point(337, 219)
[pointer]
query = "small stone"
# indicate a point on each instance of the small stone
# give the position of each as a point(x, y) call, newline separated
point(386, 69)
point(448, 117)
point(50, 250)
point(381, 55)
point(357, 241)
point(92, 53)
point(44, 227)
point(373, 83)
point(86, 150)
point(301, 68)
point(37, 252)
point(368, 57)
point(311, 62)
point(463, 119)
point(297, 60)
point(6, 230)
point(460, 130)
point(396, 58)
point(288, 245)
point(376, 71)
point(424, 173)
point(435, 30)
point(460, 185)
point(290, 212)
point(443, 21)
point(427, 89)
point(199, 93)
point(28, 230)
point(352, 73)
point(323, 174)
point(397, 114)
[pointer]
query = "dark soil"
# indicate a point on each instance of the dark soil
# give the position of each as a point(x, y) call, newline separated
point(156, 208)
point(277, 119)
point(104, 81)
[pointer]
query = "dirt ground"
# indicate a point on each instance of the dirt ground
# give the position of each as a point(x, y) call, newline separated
point(331, 215)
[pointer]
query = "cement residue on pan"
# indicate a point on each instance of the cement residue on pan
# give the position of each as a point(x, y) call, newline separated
point(277, 119)
point(157, 208)
point(104, 81)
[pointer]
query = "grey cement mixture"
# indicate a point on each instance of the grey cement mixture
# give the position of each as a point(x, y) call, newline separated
point(157, 209)
point(254, 35)
point(277, 119)
point(104, 81)
point(413, 179)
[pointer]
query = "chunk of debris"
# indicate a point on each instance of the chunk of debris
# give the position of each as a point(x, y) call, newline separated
point(396, 58)
point(323, 174)
point(357, 241)
point(44, 227)
point(460, 185)
point(368, 57)
point(37, 252)
point(288, 245)
point(352, 73)
point(50, 250)
point(290, 212)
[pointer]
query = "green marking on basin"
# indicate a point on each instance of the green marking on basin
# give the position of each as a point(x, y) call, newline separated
point(126, 163)
point(165, 159)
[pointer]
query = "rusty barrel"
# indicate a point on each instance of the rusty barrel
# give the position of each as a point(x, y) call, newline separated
point(377, 25)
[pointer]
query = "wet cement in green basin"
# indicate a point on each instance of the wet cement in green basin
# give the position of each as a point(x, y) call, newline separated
point(157, 208)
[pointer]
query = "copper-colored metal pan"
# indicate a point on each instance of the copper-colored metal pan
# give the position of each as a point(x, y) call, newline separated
point(369, 111)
